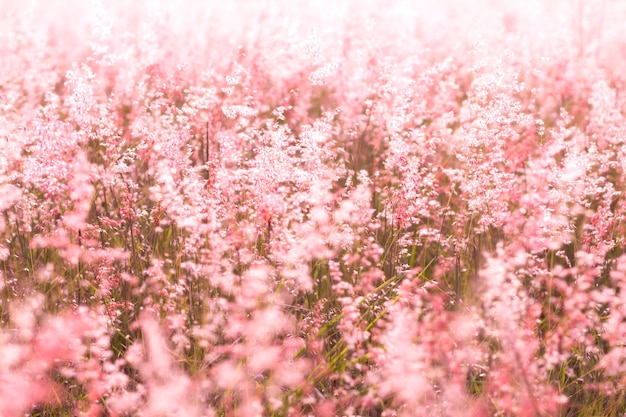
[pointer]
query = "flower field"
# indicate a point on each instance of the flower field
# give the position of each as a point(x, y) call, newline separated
point(288, 208)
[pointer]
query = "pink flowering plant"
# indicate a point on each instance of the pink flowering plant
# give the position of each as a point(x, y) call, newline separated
point(274, 208)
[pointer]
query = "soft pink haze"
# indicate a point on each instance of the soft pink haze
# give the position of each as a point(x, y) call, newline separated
point(349, 208)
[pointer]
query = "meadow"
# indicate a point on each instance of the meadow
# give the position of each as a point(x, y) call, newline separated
point(286, 208)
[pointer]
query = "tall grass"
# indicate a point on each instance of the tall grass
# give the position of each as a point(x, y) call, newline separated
point(277, 209)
